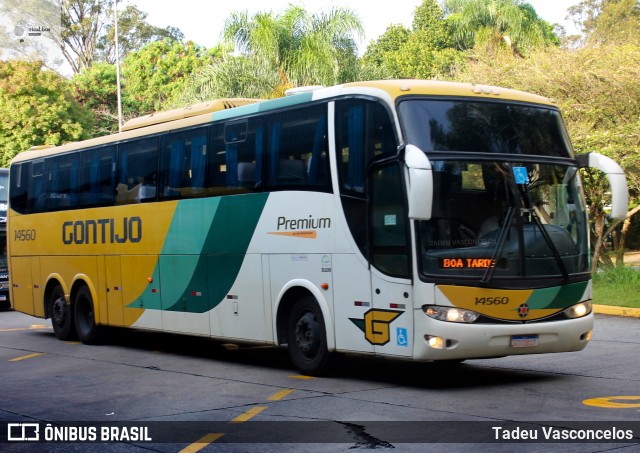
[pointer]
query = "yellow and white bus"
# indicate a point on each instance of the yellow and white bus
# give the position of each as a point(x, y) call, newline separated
point(416, 220)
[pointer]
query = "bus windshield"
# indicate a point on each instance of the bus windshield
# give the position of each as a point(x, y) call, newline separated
point(495, 219)
point(483, 127)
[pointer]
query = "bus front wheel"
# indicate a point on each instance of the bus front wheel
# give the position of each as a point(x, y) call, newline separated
point(307, 338)
point(61, 315)
point(84, 315)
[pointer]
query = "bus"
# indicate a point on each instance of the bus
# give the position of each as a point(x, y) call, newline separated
point(4, 270)
point(409, 219)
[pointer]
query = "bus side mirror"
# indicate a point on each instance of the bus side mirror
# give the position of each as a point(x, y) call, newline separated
point(420, 183)
point(617, 181)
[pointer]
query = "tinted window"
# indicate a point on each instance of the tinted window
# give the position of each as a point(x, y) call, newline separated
point(19, 192)
point(62, 182)
point(485, 127)
point(183, 164)
point(97, 177)
point(298, 149)
point(364, 131)
point(242, 154)
point(137, 171)
point(37, 187)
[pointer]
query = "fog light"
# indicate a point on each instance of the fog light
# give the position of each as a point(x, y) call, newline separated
point(578, 310)
point(586, 336)
point(434, 341)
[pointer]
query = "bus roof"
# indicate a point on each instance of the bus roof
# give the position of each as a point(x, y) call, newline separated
point(222, 109)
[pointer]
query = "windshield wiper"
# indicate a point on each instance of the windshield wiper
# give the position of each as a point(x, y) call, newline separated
point(552, 246)
point(488, 275)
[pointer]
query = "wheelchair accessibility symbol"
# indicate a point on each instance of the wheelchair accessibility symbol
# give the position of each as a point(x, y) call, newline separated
point(521, 175)
point(401, 335)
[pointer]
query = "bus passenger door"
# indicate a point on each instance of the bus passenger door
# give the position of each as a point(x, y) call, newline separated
point(390, 323)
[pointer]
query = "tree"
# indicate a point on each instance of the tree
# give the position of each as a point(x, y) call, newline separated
point(94, 88)
point(492, 25)
point(37, 109)
point(608, 21)
point(87, 32)
point(426, 51)
point(156, 74)
point(134, 33)
point(151, 78)
point(303, 48)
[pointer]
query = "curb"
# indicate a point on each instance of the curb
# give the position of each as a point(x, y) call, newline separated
point(616, 311)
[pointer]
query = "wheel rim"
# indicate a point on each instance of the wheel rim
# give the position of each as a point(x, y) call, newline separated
point(307, 334)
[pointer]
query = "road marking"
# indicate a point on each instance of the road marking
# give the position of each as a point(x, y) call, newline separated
point(24, 357)
point(202, 442)
point(279, 395)
point(32, 327)
point(249, 414)
point(301, 376)
point(613, 402)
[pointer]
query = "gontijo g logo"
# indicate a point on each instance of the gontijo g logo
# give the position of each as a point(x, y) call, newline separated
point(376, 325)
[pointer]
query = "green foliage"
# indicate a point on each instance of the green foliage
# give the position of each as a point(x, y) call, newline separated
point(230, 77)
point(617, 286)
point(37, 109)
point(424, 52)
point(87, 34)
point(608, 21)
point(392, 40)
point(497, 24)
point(95, 89)
point(134, 33)
point(151, 78)
point(302, 48)
point(155, 74)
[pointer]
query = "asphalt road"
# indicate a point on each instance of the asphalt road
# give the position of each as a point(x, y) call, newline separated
point(191, 393)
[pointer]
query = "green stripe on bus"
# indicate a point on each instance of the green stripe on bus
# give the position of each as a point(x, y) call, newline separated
point(197, 280)
point(262, 106)
point(557, 296)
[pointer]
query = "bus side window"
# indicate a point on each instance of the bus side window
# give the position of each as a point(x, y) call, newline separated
point(183, 164)
point(365, 131)
point(62, 182)
point(97, 177)
point(19, 192)
point(37, 187)
point(298, 149)
point(137, 171)
point(244, 149)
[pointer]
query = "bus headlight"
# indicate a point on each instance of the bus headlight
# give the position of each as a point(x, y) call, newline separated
point(450, 314)
point(578, 310)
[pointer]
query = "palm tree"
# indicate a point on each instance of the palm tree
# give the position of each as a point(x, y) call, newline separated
point(495, 24)
point(303, 48)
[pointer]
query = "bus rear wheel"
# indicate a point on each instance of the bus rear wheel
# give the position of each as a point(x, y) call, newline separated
point(307, 338)
point(84, 316)
point(61, 315)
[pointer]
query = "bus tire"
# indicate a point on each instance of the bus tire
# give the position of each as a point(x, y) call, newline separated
point(307, 338)
point(61, 315)
point(84, 316)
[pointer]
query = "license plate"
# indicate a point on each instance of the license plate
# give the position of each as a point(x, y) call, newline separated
point(524, 341)
point(3, 298)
